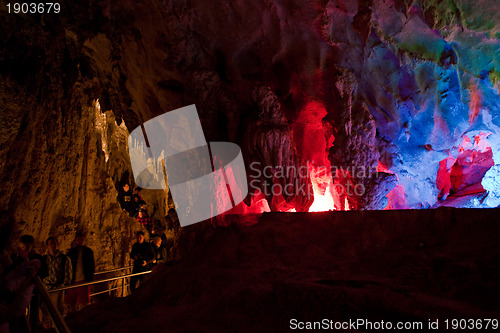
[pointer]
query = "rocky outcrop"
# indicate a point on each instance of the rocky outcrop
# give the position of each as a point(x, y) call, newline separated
point(63, 154)
point(277, 171)
point(401, 84)
point(408, 265)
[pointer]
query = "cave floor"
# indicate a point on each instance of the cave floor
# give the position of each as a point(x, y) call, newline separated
point(408, 265)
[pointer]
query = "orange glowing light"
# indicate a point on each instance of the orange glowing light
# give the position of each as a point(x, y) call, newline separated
point(322, 183)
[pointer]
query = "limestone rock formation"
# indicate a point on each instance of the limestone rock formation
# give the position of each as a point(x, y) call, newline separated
point(401, 84)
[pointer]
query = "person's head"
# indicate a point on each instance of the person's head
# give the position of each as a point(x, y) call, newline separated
point(26, 243)
point(142, 213)
point(79, 239)
point(157, 241)
point(140, 236)
point(126, 187)
point(136, 190)
point(136, 198)
point(52, 245)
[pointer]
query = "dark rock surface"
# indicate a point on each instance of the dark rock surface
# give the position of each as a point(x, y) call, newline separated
point(384, 265)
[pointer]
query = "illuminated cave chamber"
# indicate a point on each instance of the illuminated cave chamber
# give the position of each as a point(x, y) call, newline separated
point(340, 89)
point(398, 98)
point(403, 107)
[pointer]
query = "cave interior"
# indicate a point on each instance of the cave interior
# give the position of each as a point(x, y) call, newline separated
point(369, 131)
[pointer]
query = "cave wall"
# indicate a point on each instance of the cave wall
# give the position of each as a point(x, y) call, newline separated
point(400, 82)
point(63, 155)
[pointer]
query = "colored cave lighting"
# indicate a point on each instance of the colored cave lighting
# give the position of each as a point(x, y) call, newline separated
point(461, 173)
point(346, 204)
point(310, 137)
point(322, 183)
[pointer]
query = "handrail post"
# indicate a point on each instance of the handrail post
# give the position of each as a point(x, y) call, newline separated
point(33, 312)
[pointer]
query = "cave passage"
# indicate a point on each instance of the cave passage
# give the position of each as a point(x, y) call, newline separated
point(362, 136)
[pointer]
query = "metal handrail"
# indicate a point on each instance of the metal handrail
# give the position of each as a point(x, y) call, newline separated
point(98, 281)
point(53, 311)
point(107, 290)
point(114, 270)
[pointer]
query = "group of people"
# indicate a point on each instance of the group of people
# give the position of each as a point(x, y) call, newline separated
point(133, 204)
point(75, 267)
point(145, 254)
point(55, 269)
